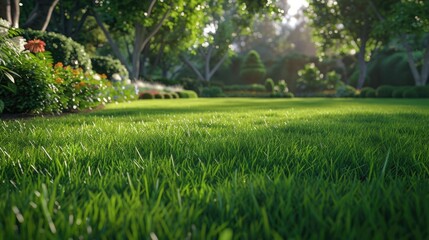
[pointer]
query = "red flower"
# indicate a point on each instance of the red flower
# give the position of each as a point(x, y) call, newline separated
point(35, 46)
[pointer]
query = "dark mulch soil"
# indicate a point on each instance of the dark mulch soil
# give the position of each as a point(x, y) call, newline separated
point(25, 116)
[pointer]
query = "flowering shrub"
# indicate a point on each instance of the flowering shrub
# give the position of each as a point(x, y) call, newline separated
point(79, 89)
point(35, 46)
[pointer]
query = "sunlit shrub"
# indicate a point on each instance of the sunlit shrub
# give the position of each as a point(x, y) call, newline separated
point(62, 48)
point(187, 94)
point(109, 66)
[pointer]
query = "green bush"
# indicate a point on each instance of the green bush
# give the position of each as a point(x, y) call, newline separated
point(34, 89)
point(159, 96)
point(252, 70)
point(174, 95)
point(345, 91)
point(1, 106)
point(410, 93)
point(423, 91)
point(109, 66)
point(192, 84)
point(121, 92)
point(385, 91)
point(212, 92)
point(282, 86)
point(288, 95)
point(188, 94)
point(146, 95)
point(167, 96)
point(246, 87)
point(79, 89)
point(367, 92)
point(310, 79)
point(398, 92)
point(62, 48)
point(269, 85)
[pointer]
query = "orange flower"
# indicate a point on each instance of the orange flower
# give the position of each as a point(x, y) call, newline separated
point(103, 76)
point(82, 84)
point(59, 80)
point(35, 46)
point(59, 65)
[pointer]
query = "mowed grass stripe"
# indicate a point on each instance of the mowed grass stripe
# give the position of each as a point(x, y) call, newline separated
point(205, 168)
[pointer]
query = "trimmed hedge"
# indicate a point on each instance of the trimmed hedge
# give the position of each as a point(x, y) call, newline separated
point(212, 92)
point(159, 96)
point(252, 70)
point(398, 92)
point(187, 94)
point(62, 48)
point(269, 85)
point(385, 91)
point(423, 91)
point(146, 95)
point(109, 66)
point(247, 87)
point(410, 93)
point(368, 92)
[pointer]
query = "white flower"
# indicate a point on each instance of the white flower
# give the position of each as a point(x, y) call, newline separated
point(18, 43)
point(116, 77)
point(4, 27)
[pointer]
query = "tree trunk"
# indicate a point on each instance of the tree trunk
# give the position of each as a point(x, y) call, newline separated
point(362, 63)
point(41, 15)
point(10, 11)
point(5, 12)
point(425, 68)
point(112, 42)
point(138, 42)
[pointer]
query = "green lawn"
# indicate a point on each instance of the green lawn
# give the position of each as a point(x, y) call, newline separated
point(216, 168)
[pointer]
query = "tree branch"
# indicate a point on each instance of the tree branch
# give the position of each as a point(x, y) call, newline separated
point(193, 68)
point(110, 39)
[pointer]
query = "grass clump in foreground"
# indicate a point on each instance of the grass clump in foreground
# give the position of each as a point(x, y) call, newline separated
point(216, 168)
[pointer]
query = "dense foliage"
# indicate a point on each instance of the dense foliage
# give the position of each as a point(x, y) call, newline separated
point(62, 49)
point(109, 66)
point(252, 70)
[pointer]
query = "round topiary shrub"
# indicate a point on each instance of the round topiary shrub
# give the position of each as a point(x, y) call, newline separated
point(269, 85)
point(252, 69)
point(109, 66)
point(188, 94)
point(398, 92)
point(167, 96)
point(212, 92)
point(345, 91)
point(367, 92)
point(385, 91)
point(423, 91)
point(174, 95)
point(62, 48)
point(410, 93)
point(159, 96)
point(146, 95)
point(288, 95)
